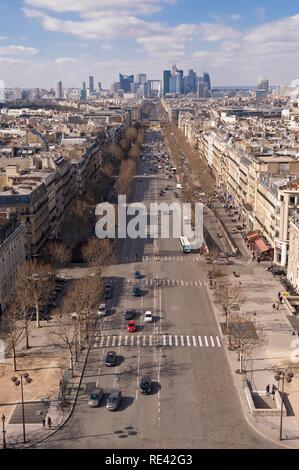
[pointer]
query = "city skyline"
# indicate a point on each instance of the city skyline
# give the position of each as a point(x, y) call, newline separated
point(44, 41)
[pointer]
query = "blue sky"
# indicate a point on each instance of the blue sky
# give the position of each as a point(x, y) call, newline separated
point(237, 41)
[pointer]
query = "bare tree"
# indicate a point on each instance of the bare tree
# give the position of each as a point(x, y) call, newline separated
point(134, 152)
point(57, 254)
point(246, 335)
point(131, 134)
point(116, 151)
point(97, 252)
point(64, 335)
point(125, 144)
point(229, 294)
point(11, 317)
point(125, 178)
point(36, 281)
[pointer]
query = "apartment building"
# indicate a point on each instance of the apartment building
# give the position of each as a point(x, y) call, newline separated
point(293, 262)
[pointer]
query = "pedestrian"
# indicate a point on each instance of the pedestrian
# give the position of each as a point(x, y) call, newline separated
point(274, 388)
point(277, 308)
point(49, 421)
point(274, 307)
point(278, 295)
point(44, 422)
point(268, 390)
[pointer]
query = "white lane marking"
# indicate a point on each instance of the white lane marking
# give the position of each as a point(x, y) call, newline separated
point(206, 341)
point(97, 338)
point(113, 341)
point(138, 340)
point(182, 282)
point(151, 282)
point(173, 282)
point(132, 340)
point(102, 341)
point(195, 283)
point(194, 341)
point(212, 341)
point(164, 340)
point(126, 340)
point(188, 341)
point(168, 282)
point(218, 342)
point(95, 345)
point(178, 258)
point(144, 340)
point(176, 340)
point(146, 282)
point(200, 342)
point(119, 340)
point(199, 283)
point(170, 340)
point(108, 341)
point(187, 283)
point(150, 340)
point(182, 341)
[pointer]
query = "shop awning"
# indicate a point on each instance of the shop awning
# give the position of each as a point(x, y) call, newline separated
point(251, 236)
point(262, 246)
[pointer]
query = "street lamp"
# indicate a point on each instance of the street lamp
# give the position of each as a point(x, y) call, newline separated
point(3, 432)
point(18, 380)
point(283, 374)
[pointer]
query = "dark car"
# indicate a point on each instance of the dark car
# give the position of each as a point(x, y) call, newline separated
point(113, 400)
point(137, 275)
point(95, 398)
point(107, 292)
point(145, 385)
point(111, 359)
point(136, 292)
point(129, 314)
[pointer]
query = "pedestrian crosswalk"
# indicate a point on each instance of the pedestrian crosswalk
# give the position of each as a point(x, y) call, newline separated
point(159, 257)
point(155, 340)
point(168, 282)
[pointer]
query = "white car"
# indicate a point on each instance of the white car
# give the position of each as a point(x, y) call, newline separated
point(148, 317)
point(102, 310)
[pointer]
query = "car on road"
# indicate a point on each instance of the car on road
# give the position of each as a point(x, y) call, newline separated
point(131, 326)
point(95, 398)
point(129, 314)
point(113, 400)
point(107, 292)
point(148, 317)
point(136, 292)
point(137, 275)
point(102, 310)
point(145, 385)
point(111, 358)
point(220, 261)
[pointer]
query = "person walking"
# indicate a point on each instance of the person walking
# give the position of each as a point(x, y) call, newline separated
point(49, 422)
point(44, 422)
point(273, 392)
point(277, 307)
point(268, 390)
point(274, 306)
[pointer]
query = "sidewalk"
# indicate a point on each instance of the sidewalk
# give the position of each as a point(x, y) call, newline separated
point(261, 293)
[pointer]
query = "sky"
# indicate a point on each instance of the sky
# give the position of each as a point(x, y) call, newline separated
point(236, 41)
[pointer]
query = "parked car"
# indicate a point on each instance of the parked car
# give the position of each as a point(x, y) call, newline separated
point(95, 398)
point(131, 326)
point(113, 400)
point(111, 359)
point(145, 385)
point(129, 314)
point(148, 317)
point(137, 275)
point(136, 292)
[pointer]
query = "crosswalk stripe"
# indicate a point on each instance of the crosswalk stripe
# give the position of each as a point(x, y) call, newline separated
point(176, 340)
point(182, 282)
point(138, 340)
point(108, 341)
point(182, 341)
point(168, 282)
point(178, 258)
point(173, 282)
point(144, 340)
point(212, 341)
point(194, 341)
point(186, 283)
point(164, 340)
point(132, 340)
point(170, 340)
point(146, 282)
point(126, 341)
point(195, 282)
point(191, 283)
point(151, 282)
point(97, 338)
point(200, 342)
point(102, 341)
point(218, 342)
point(150, 340)
point(206, 341)
point(113, 341)
point(119, 340)
point(188, 341)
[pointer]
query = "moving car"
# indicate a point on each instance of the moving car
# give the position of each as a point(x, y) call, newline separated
point(137, 275)
point(113, 400)
point(148, 317)
point(111, 359)
point(131, 326)
point(136, 292)
point(129, 314)
point(107, 292)
point(95, 398)
point(145, 385)
point(102, 310)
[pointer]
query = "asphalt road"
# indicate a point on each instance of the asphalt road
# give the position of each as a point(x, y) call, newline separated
point(194, 403)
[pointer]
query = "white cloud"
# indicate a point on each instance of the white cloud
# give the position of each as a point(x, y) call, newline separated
point(3, 38)
point(66, 60)
point(18, 50)
point(9, 60)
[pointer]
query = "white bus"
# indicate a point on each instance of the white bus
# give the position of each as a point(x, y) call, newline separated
point(185, 245)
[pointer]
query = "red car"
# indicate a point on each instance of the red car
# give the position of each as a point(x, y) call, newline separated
point(131, 326)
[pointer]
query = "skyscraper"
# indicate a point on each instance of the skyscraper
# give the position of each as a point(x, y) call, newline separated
point(166, 81)
point(175, 83)
point(58, 90)
point(263, 84)
point(207, 80)
point(91, 85)
point(141, 78)
point(125, 82)
point(192, 80)
point(83, 93)
point(100, 86)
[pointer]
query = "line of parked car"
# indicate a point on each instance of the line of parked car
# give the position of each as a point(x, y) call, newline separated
point(45, 310)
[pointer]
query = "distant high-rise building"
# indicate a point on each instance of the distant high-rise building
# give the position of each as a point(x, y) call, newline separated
point(203, 90)
point(166, 81)
point(83, 92)
point(134, 87)
point(115, 87)
point(141, 78)
point(58, 90)
point(125, 82)
point(175, 83)
point(91, 85)
point(100, 86)
point(207, 80)
point(263, 84)
point(192, 81)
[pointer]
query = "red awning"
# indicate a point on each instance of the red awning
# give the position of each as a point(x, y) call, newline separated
point(251, 236)
point(262, 245)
